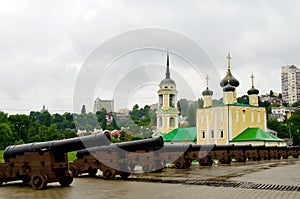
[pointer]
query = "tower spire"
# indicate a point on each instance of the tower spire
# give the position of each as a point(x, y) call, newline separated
point(168, 69)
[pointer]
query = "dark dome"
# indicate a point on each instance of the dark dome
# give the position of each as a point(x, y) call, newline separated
point(167, 82)
point(253, 91)
point(207, 92)
point(229, 88)
point(233, 81)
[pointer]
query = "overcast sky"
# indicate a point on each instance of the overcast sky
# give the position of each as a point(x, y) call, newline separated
point(44, 44)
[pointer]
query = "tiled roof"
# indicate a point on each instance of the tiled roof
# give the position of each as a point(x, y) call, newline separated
point(255, 134)
point(181, 135)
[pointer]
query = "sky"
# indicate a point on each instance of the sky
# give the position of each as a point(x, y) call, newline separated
point(48, 46)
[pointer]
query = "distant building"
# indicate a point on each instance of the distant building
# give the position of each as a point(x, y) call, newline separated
point(290, 84)
point(282, 113)
point(108, 105)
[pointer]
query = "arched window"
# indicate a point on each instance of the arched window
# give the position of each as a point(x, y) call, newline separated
point(172, 122)
point(203, 135)
point(160, 122)
point(171, 100)
point(160, 100)
point(222, 134)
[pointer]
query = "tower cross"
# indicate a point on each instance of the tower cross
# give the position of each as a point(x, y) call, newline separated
point(252, 79)
point(206, 81)
point(228, 57)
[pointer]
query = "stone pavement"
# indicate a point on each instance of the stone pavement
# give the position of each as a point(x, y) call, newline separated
point(285, 172)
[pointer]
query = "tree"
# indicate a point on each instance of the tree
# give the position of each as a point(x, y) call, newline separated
point(191, 118)
point(183, 105)
point(200, 103)
point(83, 110)
point(6, 135)
point(243, 100)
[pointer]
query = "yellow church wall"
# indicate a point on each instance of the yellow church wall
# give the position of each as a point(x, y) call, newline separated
point(231, 119)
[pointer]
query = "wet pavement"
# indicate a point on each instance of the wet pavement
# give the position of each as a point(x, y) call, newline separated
point(174, 183)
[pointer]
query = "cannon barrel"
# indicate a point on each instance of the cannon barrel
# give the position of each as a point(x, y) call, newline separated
point(63, 146)
point(144, 144)
point(131, 146)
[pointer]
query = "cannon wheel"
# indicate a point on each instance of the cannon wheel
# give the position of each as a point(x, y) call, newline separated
point(39, 182)
point(108, 174)
point(124, 175)
point(26, 179)
point(92, 172)
point(66, 180)
point(1, 178)
point(74, 171)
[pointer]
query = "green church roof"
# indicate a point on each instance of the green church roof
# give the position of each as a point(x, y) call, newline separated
point(255, 134)
point(181, 135)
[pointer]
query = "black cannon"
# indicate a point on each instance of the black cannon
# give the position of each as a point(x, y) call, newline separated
point(116, 159)
point(44, 162)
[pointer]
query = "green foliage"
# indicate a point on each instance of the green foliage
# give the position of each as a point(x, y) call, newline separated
point(1, 156)
point(192, 113)
point(141, 116)
point(243, 100)
point(6, 135)
point(183, 107)
point(71, 156)
point(281, 128)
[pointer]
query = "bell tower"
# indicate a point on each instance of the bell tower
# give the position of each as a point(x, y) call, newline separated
point(167, 112)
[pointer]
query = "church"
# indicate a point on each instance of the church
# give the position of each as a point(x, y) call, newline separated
point(227, 123)
point(231, 122)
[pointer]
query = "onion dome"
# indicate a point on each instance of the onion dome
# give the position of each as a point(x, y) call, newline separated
point(229, 88)
point(167, 82)
point(252, 90)
point(207, 92)
point(232, 80)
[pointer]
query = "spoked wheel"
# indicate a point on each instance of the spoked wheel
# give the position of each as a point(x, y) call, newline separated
point(124, 175)
point(39, 182)
point(92, 172)
point(66, 180)
point(108, 174)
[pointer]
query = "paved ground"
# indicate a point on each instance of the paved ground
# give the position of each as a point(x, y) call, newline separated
point(286, 172)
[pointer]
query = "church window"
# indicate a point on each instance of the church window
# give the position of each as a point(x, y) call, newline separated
point(203, 135)
point(171, 100)
point(237, 115)
point(252, 116)
point(212, 134)
point(244, 115)
point(258, 116)
point(172, 122)
point(222, 134)
point(160, 122)
point(160, 100)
